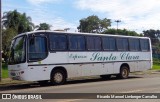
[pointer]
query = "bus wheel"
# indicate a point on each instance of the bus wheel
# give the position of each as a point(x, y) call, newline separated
point(105, 76)
point(58, 77)
point(124, 72)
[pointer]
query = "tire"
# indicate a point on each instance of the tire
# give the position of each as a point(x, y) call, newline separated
point(105, 76)
point(58, 77)
point(124, 72)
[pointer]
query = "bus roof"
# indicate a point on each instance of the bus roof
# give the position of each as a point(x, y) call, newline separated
point(61, 32)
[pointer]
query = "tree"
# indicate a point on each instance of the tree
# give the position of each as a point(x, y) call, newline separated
point(17, 21)
point(121, 32)
point(44, 26)
point(13, 23)
point(25, 24)
point(105, 23)
point(153, 34)
point(7, 35)
point(93, 24)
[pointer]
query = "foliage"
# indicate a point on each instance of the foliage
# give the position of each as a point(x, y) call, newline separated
point(25, 24)
point(13, 23)
point(121, 32)
point(156, 61)
point(93, 24)
point(7, 36)
point(17, 21)
point(44, 26)
point(153, 34)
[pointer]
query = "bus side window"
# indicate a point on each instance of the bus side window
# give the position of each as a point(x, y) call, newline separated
point(77, 42)
point(109, 43)
point(144, 44)
point(122, 44)
point(112, 44)
point(93, 43)
point(134, 44)
point(57, 42)
point(125, 44)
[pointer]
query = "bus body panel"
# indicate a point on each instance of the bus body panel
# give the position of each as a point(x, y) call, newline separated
point(41, 70)
point(15, 71)
point(82, 63)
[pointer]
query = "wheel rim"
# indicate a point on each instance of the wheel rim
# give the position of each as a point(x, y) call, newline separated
point(58, 77)
point(125, 73)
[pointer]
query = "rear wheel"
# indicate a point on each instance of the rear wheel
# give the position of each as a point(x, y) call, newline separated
point(124, 72)
point(105, 76)
point(58, 77)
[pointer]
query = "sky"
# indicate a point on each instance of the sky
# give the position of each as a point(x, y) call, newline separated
point(135, 15)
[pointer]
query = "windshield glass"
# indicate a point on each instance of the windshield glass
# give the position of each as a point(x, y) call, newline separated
point(17, 54)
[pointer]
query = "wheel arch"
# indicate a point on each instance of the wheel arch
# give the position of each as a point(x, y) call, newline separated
point(59, 68)
point(125, 64)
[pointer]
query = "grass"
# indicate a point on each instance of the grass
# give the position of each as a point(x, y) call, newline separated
point(4, 71)
point(156, 67)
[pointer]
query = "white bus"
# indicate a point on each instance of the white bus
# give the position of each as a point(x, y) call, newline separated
point(57, 56)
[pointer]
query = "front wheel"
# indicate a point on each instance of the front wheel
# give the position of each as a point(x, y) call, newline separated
point(124, 72)
point(58, 77)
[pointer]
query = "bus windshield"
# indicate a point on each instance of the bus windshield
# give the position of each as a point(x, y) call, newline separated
point(18, 54)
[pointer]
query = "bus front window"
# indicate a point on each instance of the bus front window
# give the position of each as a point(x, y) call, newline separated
point(37, 48)
point(18, 54)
